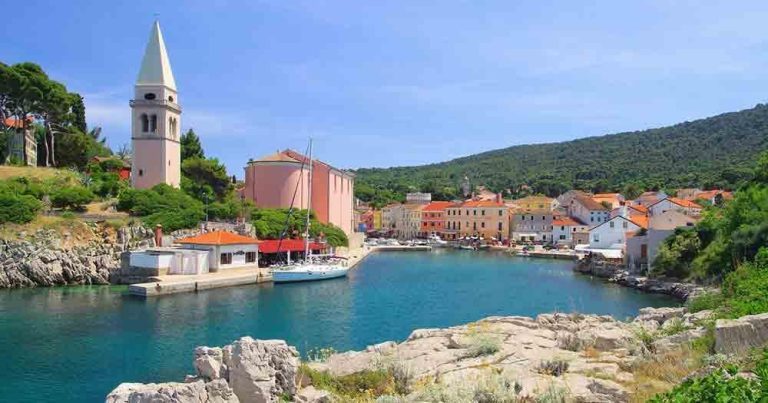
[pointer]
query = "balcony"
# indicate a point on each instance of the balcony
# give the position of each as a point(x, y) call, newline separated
point(155, 102)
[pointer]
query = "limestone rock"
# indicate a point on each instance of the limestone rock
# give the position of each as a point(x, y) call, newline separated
point(659, 315)
point(173, 392)
point(312, 395)
point(678, 340)
point(209, 363)
point(733, 336)
point(261, 370)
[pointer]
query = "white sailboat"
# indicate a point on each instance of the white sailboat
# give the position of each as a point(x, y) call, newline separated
point(311, 269)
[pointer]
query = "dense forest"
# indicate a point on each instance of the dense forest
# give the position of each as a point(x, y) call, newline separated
point(712, 152)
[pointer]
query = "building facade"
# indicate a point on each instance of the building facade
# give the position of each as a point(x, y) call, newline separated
point(588, 211)
point(433, 218)
point(567, 231)
point(686, 207)
point(281, 180)
point(613, 233)
point(532, 225)
point(155, 119)
point(478, 218)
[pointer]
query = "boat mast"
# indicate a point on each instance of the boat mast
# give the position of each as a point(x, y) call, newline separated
point(309, 204)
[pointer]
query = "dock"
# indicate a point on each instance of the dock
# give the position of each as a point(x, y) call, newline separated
point(174, 284)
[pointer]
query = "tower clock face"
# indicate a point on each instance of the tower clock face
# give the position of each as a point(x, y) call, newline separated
point(149, 96)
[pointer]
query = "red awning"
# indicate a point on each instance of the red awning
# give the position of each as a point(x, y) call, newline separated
point(292, 245)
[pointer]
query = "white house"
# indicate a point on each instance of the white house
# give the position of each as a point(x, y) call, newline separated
point(564, 230)
point(612, 234)
point(225, 249)
point(686, 207)
point(588, 210)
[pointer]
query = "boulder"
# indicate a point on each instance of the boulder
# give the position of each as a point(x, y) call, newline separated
point(209, 363)
point(660, 315)
point(312, 395)
point(173, 392)
point(261, 370)
point(676, 341)
point(734, 336)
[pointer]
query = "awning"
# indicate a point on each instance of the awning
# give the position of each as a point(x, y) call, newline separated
point(288, 245)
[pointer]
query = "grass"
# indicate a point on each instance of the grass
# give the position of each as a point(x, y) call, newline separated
point(707, 301)
point(554, 367)
point(676, 325)
point(11, 231)
point(40, 173)
point(480, 342)
point(661, 372)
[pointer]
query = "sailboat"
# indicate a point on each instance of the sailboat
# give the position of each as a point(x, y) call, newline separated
point(312, 268)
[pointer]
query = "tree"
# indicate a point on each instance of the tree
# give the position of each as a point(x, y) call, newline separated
point(78, 114)
point(205, 176)
point(72, 197)
point(124, 152)
point(75, 149)
point(190, 146)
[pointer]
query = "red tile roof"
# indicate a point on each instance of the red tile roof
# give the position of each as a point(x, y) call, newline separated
point(570, 221)
point(638, 208)
point(437, 206)
point(590, 203)
point(219, 238)
point(683, 202)
point(482, 203)
point(16, 123)
point(286, 245)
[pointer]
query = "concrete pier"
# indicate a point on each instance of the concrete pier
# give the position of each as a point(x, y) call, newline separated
point(174, 284)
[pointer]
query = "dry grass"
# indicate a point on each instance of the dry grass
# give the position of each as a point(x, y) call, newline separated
point(76, 228)
point(660, 373)
point(40, 173)
point(591, 353)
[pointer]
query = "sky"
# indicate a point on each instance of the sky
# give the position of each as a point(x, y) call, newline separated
point(402, 82)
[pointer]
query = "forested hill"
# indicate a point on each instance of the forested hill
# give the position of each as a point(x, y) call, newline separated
point(713, 152)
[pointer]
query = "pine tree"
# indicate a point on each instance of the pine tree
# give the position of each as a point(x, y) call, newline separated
point(78, 113)
point(190, 146)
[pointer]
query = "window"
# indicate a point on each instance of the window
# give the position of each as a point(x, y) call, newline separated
point(250, 257)
point(612, 224)
point(153, 123)
point(226, 258)
point(482, 225)
point(624, 224)
point(562, 228)
point(149, 96)
point(474, 212)
point(170, 98)
point(591, 219)
point(499, 226)
point(501, 213)
point(474, 226)
point(543, 218)
point(562, 236)
point(141, 172)
point(482, 212)
point(596, 238)
point(144, 123)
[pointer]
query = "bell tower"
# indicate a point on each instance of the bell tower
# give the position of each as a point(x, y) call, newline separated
point(155, 119)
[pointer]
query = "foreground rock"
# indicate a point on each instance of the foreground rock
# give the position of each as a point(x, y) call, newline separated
point(589, 358)
point(736, 336)
point(246, 371)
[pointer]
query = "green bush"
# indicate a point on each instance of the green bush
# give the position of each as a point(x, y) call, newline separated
point(719, 386)
point(746, 290)
point(175, 220)
point(72, 198)
point(706, 301)
point(170, 207)
point(18, 209)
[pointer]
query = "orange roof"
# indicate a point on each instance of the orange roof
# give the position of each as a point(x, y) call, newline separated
point(709, 194)
point(437, 206)
point(683, 202)
point(16, 123)
point(482, 203)
point(641, 220)
point(638, 208)
point(219, 238)
point(277, 157)
point(570, 221)
point(590, 203)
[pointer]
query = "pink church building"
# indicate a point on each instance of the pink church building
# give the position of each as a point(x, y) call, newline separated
point(271, 182)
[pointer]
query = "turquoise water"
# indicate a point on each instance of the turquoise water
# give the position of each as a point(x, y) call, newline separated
point(75, 344)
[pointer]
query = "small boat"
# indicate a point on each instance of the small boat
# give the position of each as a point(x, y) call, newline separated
point(435, 240)
point(467, 247)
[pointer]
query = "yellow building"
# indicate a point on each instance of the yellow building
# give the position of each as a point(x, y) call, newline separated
point(377, 219)
point(478, 218)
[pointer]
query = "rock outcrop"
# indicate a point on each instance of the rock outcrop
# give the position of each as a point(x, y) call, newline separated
point(247, 370)
point(735, 336)
point(49, 258)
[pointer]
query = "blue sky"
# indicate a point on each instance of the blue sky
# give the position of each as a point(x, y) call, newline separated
point(384, 83)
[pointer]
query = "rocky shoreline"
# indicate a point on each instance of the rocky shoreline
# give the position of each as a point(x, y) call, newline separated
point(583, 358)
point(616, 272)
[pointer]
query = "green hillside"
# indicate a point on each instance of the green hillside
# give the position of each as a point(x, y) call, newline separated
point(713, 152)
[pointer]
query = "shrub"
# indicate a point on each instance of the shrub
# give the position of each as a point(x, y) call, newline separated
point(72, 197)
point(18, 209)
point(673, 326)
point(170, 207)
point(480, 344)
point(746, 291)
point(175, 220)
point(706, 301)
point(553, 367)
point(719, 386)
point(369, 383)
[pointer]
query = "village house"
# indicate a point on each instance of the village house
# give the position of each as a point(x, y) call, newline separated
point(22, 145)
point(613, 233)
point(532, 225)
point(484, 219)
point(390, 215)
point(409, 222)
point(569, 231)
point(534, 203)
point(565, 198)
point(686, 207)
point(433, 218)
point(588, 210)
point(643, 248)
point(226, 250)
point(272, 182)
point(714, 197)
point(615, 200)
point(648, 198)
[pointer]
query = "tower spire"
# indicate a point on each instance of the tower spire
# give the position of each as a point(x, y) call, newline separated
point(156, 67)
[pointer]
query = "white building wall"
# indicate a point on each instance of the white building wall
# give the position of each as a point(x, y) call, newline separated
point(612, 234)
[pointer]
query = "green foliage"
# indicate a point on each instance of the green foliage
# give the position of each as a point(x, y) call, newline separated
point(274, 223)
point(72, 197)
point(746, 289)
point(722, 385)
point(18, 209)
point(676, 254)
point(706, 301)
point(163, 204)
point(75, 149)
point(480, 344)
point(364, 384)
point(205, 176)
point(628, 162)
point(190, 146)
